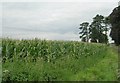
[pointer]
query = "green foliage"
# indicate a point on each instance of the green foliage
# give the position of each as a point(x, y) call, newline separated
point(114, 18)
point(41, 60)
point(96, 31)
point(84, 31)
point(99, 28)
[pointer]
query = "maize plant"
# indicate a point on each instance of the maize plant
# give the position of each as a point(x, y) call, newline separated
point(48, 50)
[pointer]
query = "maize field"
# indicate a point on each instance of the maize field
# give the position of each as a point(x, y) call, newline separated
point(46, 60)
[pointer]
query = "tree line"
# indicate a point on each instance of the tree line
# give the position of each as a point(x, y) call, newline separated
point(97, 30)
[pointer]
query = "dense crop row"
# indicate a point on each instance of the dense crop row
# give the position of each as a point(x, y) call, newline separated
point(47, 50)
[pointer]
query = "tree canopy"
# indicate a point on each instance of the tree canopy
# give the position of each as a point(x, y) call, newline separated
point(84, 31)
point(96, 31)
point(114, 18)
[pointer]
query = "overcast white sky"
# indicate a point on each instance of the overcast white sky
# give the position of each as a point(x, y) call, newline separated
point(50, 20)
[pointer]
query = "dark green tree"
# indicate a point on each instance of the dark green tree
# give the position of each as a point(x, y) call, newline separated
point(106, 24)
point(93, 33)
point(98, 29)
point(84, 31)
point(115, 23)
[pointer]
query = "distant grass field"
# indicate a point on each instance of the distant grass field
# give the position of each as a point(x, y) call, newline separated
point(42, 60)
